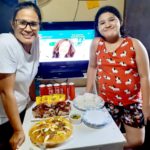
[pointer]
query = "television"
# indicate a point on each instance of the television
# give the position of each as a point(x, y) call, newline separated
point(55, 60)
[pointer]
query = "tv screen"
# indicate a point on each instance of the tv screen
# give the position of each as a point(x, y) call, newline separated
point(64, 49)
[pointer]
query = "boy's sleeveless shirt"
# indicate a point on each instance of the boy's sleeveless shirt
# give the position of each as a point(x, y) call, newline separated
point(117, 74)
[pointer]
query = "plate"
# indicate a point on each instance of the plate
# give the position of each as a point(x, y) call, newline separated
point(44, 110)
point(96, 118)
point(51, 132)
point(88, 101)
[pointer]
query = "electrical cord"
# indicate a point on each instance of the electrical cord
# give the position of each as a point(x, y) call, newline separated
point(42, 3)
point(77, 8)
point(76, 11)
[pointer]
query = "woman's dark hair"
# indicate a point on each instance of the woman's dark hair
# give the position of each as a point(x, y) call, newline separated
point(105, 9)
point(24, 5)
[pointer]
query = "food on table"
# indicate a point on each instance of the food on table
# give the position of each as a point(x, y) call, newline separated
point(88, 101)
point(50, 132)
point(75, 118)
point(45, 110)
point(50, 99)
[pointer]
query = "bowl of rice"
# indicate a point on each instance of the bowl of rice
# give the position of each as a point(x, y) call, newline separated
point(88, 101)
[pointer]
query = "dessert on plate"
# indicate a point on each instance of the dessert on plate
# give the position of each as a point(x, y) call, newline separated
point(51, 132)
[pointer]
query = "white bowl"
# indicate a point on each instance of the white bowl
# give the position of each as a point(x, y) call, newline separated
point(88, 101)
point(75, 118)
point(95, 118)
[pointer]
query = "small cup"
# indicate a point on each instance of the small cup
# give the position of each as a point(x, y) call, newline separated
point(75, 118)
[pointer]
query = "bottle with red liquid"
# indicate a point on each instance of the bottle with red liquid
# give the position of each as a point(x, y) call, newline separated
point(63, 90)
point(50, 89)
point(42, 89)
point(71, 90)
point(56, 88)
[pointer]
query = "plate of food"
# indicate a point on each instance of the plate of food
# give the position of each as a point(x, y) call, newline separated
point(45, 110)
point(88, 101)
point(51, 132)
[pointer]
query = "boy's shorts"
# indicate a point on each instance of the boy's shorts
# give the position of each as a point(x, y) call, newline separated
point(131, 115)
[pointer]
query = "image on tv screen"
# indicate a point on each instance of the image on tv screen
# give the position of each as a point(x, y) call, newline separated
point(65, 45)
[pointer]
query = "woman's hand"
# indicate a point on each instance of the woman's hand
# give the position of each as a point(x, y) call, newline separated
point(17, 139)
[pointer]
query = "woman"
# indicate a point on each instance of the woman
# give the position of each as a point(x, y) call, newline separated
point(19, 59)
point(121, 67)
point(63, 49)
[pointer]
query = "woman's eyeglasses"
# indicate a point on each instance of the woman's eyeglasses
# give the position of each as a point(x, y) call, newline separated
point(23, 24)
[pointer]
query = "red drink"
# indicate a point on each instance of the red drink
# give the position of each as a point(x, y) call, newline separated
point(42, 89)
point(64, 90)
point(50, 89)
point(71, 91)
point(57, 88)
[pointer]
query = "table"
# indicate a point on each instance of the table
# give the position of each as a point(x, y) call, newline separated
point(109, 137)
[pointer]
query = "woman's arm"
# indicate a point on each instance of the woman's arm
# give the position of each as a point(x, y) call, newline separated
point(11, 108)
point(32, 91)
point(92, 67)
point(144, 72)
